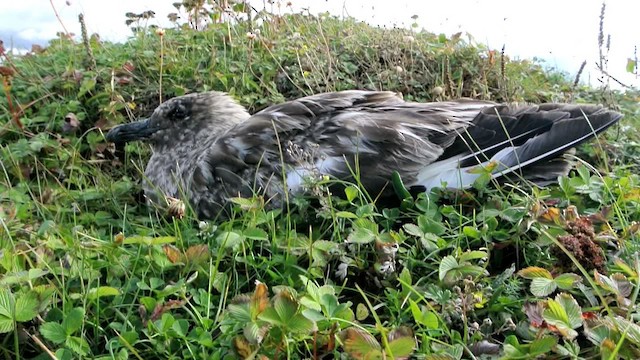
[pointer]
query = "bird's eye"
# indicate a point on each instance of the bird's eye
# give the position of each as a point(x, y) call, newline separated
point(179, 112)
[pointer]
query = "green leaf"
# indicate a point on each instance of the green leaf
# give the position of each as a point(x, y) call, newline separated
point(255, 234)
point(450, 271)
point(565, 314)
point(567, 281)
point(299, 324)
point(402, 347)
point(128, 337)
point(96, 293)
point(431, 226)
point(247, 204)
point(625, 326)
point(22, 309)
point(181, 327)
point(542, 287)
point(313, 315)
point(53, 332)
point(398, 186)
point(285, 306)
point(87, 85)
point(472, 255)
point(542, 345)
point(271, 316)
point(471, 232)
point(240, 312)
point(351, 192)
point(346, 215)
point(405, 282)
point(413, 229)
point(254, 332)
point(362, 312)
point(230, 239)
point(423, 317)
point(22, 276)
point(26, 307)
point(512, 349)
point(361, 235)
point(6, 311)
point(78, 345)
point(447, 264)
point(482, 181)
point(631, 66)
point(330, 303)
point(73, 320)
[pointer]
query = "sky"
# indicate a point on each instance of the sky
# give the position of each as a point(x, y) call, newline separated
point(562, 32)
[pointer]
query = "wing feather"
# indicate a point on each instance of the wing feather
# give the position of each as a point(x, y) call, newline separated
point(331, 133)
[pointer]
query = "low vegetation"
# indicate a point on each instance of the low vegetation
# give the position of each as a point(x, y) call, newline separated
point(499, 271)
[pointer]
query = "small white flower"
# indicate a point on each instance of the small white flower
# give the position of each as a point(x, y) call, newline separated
point(399, 69)
point(408, 38)
point(342, 271)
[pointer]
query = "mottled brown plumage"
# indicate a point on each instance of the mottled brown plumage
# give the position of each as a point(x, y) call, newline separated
point(207, 148)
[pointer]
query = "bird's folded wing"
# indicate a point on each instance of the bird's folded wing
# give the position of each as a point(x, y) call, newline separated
point(338, 134)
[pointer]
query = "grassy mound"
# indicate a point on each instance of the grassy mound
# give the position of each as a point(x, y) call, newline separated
point(501, 271)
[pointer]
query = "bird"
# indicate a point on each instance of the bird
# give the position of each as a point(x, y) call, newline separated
point(207, 149)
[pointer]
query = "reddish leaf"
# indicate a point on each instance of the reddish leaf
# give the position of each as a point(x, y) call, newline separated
point(197, 254)
point(259, 299)
point(173, 253)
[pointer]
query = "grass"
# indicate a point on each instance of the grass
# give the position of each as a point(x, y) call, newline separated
point(496, 272)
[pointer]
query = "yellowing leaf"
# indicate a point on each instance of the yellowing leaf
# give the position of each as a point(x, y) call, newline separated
point(533, 272)
point(173, 254)
point(197, 254)
point(259, 299)
point(360, 344)
point(147, 240)
point(242, 347)
point(551, 214)
point(565, 314)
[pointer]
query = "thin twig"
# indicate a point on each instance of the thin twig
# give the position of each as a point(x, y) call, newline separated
point(42, 345)
point(604, 72)
point(161, 33)
point(66, 32)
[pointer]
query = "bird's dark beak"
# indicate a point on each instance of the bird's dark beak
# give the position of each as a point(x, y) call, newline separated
point(139, 130)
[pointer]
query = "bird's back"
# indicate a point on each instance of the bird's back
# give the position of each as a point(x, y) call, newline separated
point(369, 135)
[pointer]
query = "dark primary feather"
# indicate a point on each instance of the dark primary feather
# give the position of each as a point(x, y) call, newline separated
point(369, 133)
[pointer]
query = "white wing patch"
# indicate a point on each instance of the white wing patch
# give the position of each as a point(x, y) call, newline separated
point(449, 171)
point(299, 176)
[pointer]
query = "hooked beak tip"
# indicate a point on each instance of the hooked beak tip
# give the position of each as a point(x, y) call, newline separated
point(139, 130)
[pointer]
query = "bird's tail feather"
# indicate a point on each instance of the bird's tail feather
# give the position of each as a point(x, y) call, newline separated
point(526, 153)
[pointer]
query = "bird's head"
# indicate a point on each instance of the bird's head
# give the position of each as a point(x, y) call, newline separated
point(185, 119)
